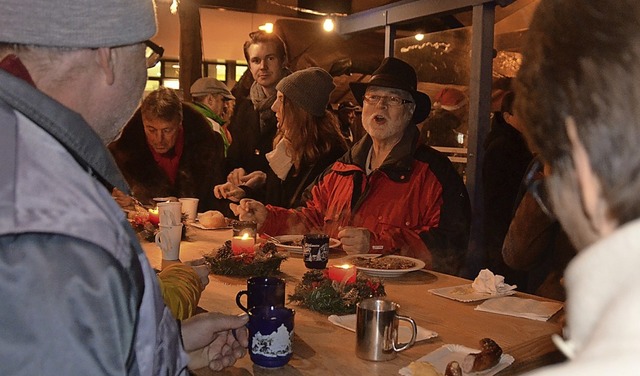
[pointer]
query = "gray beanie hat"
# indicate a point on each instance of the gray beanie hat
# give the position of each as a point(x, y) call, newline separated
point(308, 88)
point(77, 23)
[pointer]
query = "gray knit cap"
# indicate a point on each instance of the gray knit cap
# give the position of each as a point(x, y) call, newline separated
point(308, 88)
point(77, 23)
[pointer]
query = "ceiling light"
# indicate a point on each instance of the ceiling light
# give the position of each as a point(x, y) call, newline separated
point(419, 37)
point(328, 24)
point(267, 28)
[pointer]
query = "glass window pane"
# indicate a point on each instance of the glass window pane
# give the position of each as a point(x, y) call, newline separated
point(155, 71)
point(221, 72)
point(151, 85)
point(240, 69)
point(171, 69)
point(172, 84)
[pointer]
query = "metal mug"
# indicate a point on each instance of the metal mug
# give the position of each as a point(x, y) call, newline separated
point(377, 330)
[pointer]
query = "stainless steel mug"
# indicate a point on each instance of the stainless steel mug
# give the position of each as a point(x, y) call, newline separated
point(377, 330)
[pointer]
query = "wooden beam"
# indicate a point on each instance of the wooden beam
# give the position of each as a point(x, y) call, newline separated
point(190, 46)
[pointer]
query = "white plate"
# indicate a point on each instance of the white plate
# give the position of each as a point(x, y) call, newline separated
point(447, 353)
point(388, 273)
point(333, 243)
point(201, 227)
point(404, 330)
point(466, 293)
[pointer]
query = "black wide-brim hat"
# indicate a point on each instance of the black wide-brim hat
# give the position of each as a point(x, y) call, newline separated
point(396, 74)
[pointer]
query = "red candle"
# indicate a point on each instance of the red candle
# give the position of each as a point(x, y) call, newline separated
point(153, 216)
point(342, 273)
point(242, 244)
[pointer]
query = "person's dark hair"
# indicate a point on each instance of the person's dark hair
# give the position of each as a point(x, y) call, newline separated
point(260, 36)
point(582, 61)
point(163, 104)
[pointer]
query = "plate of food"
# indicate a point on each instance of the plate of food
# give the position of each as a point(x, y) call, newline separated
point(486, 362)
point(466, 293)
point(293, 243)
point(384, 266)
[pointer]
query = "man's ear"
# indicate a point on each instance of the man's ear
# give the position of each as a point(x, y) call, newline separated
point(105, 60)
point(595, 206)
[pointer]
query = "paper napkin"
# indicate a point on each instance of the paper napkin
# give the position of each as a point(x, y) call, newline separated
point(521, 307)
point(490, 283)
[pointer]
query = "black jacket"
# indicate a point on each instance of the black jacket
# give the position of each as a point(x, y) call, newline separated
point(200, 169)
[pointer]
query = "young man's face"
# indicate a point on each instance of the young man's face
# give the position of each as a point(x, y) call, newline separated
point(265, 64)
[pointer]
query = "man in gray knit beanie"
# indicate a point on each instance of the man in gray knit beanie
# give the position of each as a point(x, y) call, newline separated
point(313, 96)
point(79, 295)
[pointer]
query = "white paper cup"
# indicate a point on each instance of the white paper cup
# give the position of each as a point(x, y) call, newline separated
point(189, 208)
point(170, 213)
point(168, 239)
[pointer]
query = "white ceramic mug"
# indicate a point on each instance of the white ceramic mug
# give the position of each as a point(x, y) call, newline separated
point(168, 239)
point(189, 208)
point(170, 213)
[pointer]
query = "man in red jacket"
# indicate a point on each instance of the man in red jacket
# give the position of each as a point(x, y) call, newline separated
point(389, 194)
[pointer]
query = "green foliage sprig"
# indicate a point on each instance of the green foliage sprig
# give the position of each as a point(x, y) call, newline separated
point(265, 261)
point(319, 293)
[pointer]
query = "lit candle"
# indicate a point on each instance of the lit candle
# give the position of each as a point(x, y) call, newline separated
point(342, 273)
point(242, 244)
point(153, 216)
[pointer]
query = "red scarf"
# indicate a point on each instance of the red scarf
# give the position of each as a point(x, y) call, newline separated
point(170, 161)
point(12, 64)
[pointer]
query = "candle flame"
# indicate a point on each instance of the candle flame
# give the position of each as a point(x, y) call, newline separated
point(345, 266)
point(245, 236)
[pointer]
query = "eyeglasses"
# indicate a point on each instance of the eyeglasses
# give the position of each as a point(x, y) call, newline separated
point(534, 181)
point(153, 53)
point(391, 101)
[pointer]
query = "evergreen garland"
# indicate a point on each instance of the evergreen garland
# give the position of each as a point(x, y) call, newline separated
point(317, 292)
point(265, 261)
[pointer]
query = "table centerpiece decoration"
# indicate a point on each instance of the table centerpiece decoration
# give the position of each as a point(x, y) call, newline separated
point(319, 292)
point(145, 223)
point(262, 260)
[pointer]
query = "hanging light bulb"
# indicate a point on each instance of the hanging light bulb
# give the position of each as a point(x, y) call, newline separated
point(328, 25)
point(267, 28)
point(174, 7)
point(419, 36)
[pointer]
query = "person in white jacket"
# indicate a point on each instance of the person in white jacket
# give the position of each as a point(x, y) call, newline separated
point(578, 91)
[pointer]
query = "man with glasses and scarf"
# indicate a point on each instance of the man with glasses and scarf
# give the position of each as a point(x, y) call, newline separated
point(389, 194)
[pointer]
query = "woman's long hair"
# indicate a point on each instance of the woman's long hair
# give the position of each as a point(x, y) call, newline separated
point(309, 136)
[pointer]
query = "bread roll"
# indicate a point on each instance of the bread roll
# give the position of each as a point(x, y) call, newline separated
point(212, 219)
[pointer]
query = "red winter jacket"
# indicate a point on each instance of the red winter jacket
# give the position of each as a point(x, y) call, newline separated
point(415, 204)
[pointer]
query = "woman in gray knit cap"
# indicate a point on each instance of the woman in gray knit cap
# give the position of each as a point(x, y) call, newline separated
point(308, 140)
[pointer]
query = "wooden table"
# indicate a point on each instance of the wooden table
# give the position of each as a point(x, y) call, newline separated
point(321, 348)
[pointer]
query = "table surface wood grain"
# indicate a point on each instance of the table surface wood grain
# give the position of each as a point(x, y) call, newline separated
point(321, 348)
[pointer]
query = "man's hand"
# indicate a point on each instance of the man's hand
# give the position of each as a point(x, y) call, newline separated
point(125, 201)
point(215, 340)
point(228, 191)
point(250, 210)
point(235, 176)
point(355, 240)
point(254, 179)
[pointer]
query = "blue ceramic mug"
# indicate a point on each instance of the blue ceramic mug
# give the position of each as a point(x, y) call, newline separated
point(270, 336)
point(262, 291)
